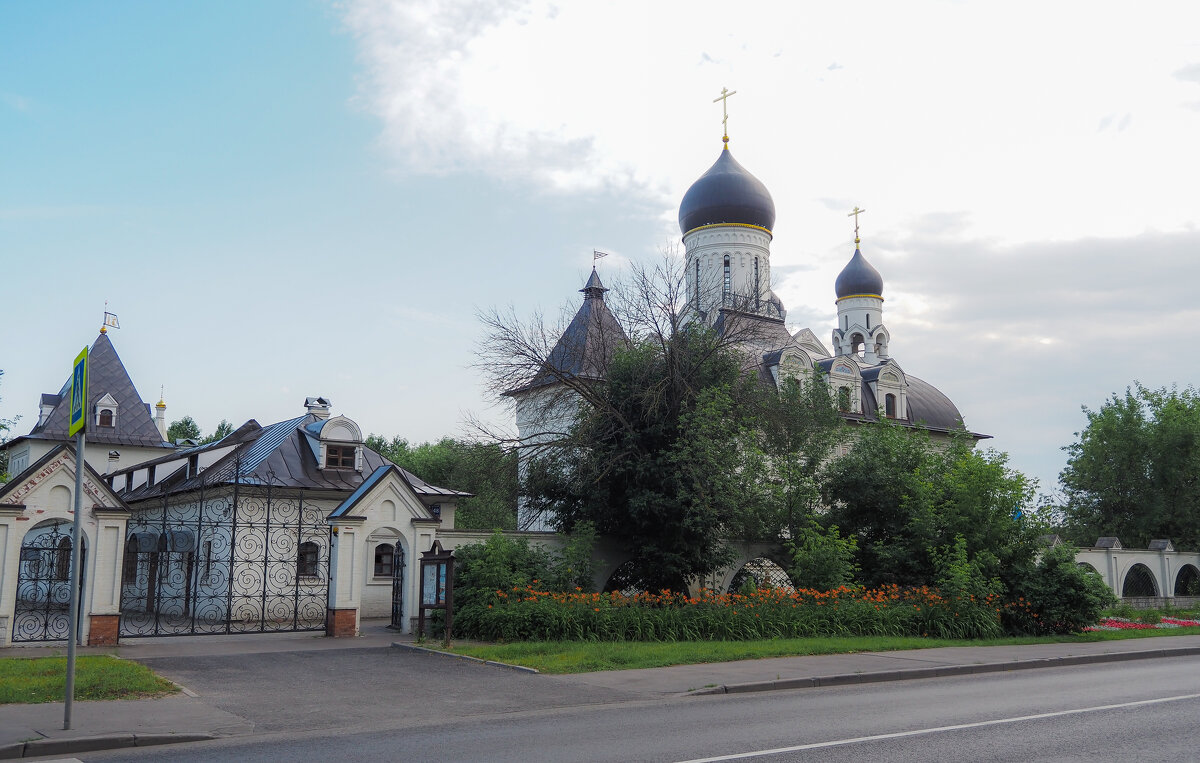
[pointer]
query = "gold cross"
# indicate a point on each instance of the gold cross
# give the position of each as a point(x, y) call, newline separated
point(724, 99)
point(855, 215)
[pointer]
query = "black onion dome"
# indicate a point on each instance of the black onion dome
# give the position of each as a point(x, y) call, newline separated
point(727, 193)
point(858, 277)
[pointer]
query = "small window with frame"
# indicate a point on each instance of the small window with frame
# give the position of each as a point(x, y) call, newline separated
point(339, 456)
point(384, 560)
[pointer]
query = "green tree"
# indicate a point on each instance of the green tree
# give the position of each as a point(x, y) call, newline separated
point(224, 429)
point(685, 452)
point(1133, 471)
point(183, 429)
point(676, 445)
point(5, 427)
point(908, 501)
point(486, 470)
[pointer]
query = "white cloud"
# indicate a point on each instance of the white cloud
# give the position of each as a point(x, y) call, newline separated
point(1027, 167)
point(930, 107)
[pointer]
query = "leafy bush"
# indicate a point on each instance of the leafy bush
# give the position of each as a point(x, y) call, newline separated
point(1060, 595)
point(502, 563)
point(821, 558)
point(529, 614)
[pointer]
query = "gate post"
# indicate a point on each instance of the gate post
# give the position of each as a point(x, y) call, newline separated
point(104, 591)
point(10, 552)
point(345, 581)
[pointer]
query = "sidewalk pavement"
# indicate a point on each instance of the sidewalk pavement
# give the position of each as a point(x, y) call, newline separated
point(33, 730)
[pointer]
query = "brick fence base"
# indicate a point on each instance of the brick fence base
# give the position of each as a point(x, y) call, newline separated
point(103, 630)
point(341, 623)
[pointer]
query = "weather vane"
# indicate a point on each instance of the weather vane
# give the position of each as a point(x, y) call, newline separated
point(855, 215)
point(724, 99)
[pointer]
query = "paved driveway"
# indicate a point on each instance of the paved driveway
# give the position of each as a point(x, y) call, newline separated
point(367, 688)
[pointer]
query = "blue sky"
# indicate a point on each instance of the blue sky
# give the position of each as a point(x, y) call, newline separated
point(282, 199)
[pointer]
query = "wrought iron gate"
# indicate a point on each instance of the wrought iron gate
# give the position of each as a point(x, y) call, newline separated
point(43, 610)
point(240, 559)
point(398, 587)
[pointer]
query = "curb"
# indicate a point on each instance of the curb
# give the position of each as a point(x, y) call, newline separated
point(846, 679)
point(493, 663)
point(39, 747)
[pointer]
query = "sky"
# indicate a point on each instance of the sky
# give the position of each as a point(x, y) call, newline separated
point(291, 198)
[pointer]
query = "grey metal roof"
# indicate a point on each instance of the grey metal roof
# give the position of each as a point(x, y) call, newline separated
point(106, 376)
point(279, 455)
point(726, 193)
point(858, 277)
point(587, 345)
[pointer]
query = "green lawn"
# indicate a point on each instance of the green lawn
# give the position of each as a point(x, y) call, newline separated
point(44, 679)
point(586, 656)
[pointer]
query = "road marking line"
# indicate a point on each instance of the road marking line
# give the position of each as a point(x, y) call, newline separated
point(919, 732)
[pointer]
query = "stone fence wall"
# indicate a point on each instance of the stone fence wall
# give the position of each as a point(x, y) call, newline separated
point(1146, 577)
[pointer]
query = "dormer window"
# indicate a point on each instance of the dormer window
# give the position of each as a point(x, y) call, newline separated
point(336, 443)
point(106, 412)
point(339, 456)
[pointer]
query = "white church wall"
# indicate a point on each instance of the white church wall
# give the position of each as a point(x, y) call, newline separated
point(743, 245)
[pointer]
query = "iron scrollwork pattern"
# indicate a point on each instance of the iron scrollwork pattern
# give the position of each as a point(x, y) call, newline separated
point(243, 558)
point(43, 607)
point(398, 587)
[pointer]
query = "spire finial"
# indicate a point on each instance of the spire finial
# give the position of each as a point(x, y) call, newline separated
point(724, 99)
point(855, 215)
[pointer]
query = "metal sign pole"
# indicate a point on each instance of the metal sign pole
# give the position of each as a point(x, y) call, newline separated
point(76, 427)
point(73, 625)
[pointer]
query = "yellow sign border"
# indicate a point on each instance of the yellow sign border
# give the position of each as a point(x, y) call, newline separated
point(80, 389)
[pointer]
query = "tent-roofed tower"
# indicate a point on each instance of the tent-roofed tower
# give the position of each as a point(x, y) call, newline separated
point(121, 429)
point(547, 403)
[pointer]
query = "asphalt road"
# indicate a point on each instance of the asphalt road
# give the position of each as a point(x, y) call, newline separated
point(1133, 710)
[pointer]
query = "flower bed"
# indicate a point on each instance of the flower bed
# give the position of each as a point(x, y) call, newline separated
point(526, 613)
point(1123, 624)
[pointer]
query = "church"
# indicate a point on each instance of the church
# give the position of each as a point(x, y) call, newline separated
point(299, 525)
point(726, 218)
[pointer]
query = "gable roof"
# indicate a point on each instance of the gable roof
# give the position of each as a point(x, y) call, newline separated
point(21, 480)
point(106, 376)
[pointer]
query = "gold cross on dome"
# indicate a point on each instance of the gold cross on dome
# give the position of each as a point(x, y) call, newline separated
point(724, 99)
point(855, 215)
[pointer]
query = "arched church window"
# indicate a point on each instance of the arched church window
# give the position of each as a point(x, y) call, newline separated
point(306, 560)
point(843, 398)
point(889, 406)
point(757, 291)
point(697, 283)
point(868, 321)
point(384, 558)
point(106, 418)
point(728, 279)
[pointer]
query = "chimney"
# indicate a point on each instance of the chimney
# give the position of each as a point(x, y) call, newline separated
point(47, 405)
point(318, 406)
